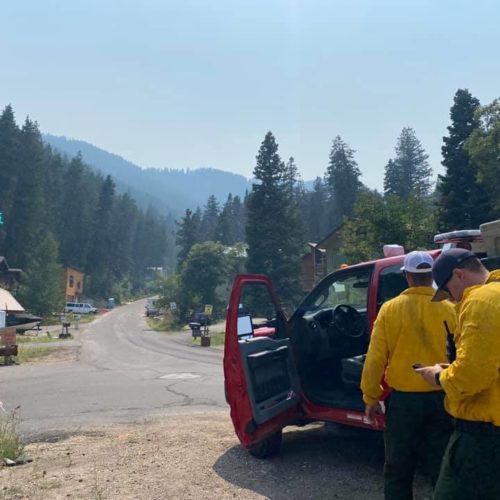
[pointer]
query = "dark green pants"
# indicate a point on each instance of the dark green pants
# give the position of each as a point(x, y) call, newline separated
point(417, 427)
point(471, 467)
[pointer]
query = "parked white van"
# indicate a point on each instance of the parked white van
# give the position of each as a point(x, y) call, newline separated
point(79, 308)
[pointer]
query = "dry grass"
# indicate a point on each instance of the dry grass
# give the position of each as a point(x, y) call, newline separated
point(11, 446)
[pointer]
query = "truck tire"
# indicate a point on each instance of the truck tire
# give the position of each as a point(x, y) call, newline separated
point(269, 447)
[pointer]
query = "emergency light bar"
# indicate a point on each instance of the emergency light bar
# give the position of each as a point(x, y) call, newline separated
point(466, 235)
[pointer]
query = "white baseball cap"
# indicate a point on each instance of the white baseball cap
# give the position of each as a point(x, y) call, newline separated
point(417, 262)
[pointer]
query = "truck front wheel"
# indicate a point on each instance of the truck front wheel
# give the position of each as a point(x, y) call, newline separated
point(269, 447)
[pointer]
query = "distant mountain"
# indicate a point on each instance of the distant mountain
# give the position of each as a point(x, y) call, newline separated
point(169, 190)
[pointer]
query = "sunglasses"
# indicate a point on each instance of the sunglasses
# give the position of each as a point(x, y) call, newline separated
point(445, 286)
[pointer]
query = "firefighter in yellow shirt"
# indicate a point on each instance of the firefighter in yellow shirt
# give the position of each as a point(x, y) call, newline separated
point(471, 466)
point(409, 329)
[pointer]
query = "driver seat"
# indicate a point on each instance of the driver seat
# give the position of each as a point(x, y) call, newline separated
point(351, 371)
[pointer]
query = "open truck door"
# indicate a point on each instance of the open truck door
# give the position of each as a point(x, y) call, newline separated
point(260, 376)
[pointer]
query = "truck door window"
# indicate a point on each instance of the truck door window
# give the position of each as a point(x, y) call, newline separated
point(257, 313)
point(392, 282)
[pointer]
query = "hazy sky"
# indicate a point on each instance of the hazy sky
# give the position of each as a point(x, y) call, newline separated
point(198, 83)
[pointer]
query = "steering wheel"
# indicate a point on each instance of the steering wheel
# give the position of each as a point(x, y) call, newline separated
point(348, 321)
point(318, 345)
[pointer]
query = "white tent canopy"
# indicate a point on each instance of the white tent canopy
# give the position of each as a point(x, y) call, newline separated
point(9, 303)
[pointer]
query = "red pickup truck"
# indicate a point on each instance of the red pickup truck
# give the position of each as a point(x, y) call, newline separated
point(281, 371)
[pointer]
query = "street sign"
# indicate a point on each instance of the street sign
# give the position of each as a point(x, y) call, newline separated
point(208, 309)
point(173, 306)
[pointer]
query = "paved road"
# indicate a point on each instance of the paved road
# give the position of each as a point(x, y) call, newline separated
point(125, 373)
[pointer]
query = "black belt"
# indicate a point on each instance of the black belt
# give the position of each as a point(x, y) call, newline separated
point(476, 427)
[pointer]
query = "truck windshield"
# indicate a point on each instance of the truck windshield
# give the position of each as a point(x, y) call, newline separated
point(344, 287)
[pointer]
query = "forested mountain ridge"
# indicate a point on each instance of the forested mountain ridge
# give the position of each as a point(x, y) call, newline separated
point(59, 212)
point(169, 190)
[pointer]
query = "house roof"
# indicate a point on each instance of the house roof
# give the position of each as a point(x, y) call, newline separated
point(8, 302)
point(5, 269)
point(330, 234)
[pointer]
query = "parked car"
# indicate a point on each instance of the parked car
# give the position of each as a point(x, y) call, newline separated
point(281, 371)
point(152, 308)
point(79, 308)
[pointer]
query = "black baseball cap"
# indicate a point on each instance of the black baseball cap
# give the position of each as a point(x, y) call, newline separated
point(443, 269)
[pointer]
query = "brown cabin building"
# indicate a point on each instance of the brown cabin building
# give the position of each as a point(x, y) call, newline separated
point(322, 259)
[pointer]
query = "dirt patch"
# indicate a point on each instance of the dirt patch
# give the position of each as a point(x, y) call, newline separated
point(195, 456)
point(58, 355)
point(168, 458)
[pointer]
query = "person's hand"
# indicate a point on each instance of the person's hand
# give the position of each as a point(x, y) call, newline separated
point(373, 411)
point(429, 373)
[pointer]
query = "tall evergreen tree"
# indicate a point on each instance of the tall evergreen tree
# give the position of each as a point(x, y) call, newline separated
point(483, 146)
point(209, 220)
point(231, 222)
point(239, 219)
point(124, 224)
point(342, 177)
point(9, 167)
point(76, 222)
point(273, 230)
point(225, 224)
point(187, 234)
point(409, 171)
point(462, 203)
point(100, 261)
point(28, 221)
point(316, 222)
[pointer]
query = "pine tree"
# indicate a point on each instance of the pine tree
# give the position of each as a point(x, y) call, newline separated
point(78, 198)
point(462, 203)
point(209, 219)
point(9, 167)
point(410, 170)
point(483, 146)
point(124, 221)
point(342, 178)
point(225, 230)
point(100, 260)
point(28, 221)
point(240, 219)
point(317, 221)
point(187, 234)
point(273, 230)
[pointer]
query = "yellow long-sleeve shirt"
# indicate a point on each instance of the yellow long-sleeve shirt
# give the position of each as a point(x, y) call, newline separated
point(409, 329)
point(472, 381)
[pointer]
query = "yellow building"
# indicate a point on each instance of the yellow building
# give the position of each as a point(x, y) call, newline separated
point(73, 284)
